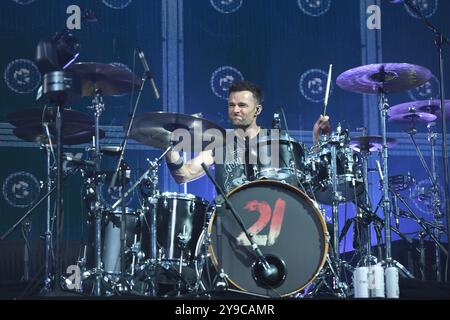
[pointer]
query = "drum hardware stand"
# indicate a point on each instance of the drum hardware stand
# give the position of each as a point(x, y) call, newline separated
point(436, 197)
point(381, 77)
point(364, 217)
point(123, 146)
point(422, 260)
point(339, 287)
point(48, 222)
point(339, 291)
point(151, 178)
point(424, 224)
point(98, 107)
point(440, 40)
point(59, 88)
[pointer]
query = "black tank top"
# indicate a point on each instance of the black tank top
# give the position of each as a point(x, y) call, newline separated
point(235, 166)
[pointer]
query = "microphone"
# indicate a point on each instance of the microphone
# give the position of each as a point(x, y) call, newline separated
point(276, 121)
point(79, 161)
point(270, 274)
point(148, 74)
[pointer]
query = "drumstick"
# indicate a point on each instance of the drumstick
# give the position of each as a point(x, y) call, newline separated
point(327, 92)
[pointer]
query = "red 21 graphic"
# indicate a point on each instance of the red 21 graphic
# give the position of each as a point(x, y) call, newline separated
point(265, 214)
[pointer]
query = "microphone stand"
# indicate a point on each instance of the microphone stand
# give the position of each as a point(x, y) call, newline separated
point(440, 40)
point(264, 273)
point(118, 168)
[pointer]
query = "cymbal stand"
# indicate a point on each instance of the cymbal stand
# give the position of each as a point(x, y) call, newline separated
point(48, 223)
point(383, 107)
point(98, 107)
point(436, 197)
point(339, 287)
point(437, 214)
point(367, 258)
point(440, 40)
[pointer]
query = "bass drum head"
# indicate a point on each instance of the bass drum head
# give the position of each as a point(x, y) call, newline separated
point(285, 224)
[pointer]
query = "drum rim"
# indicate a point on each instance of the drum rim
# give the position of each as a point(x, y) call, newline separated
point(308, 200)
point(281, 137)
point(182, 196)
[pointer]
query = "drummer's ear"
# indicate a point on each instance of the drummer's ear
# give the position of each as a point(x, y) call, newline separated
point(258, 110)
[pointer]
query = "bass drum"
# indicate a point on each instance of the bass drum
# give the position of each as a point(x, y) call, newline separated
point(285, 223)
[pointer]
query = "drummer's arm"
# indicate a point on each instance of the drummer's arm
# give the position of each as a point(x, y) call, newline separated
point(185, 172)
point(322, 126)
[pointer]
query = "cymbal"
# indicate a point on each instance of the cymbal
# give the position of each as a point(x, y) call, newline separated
point(156, 128)
point(72, 133)
point(110, 80)
point(423, 106)
point(35, 116)
point(413, 117)
point(370, 143)
point(392, 77)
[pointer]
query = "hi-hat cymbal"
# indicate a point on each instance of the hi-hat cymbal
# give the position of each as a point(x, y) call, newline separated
point(391, 77)
point(72, 133)
point(34, 116)
point(370, 143)
point(156, 128)
point(108, 79)
point(413, 117)
point(424, 106)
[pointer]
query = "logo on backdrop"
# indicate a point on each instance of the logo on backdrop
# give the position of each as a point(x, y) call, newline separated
point(429, 90)
point(314, 8)
point(313, 85)
point(422, 196)
point(22, 76)
point(23, 1)
point(108, 196)
point(227, 6)
point(21, 189)
point(428, 7)
point(222, 79)
point(117, 4)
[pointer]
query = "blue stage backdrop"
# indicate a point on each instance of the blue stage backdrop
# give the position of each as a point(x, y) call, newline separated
point(195, 50)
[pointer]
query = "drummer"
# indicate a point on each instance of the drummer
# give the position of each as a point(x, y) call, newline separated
point(244, 106)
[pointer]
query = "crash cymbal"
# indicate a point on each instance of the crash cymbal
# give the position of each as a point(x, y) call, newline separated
point(413, 117)
point(423, 106)
point(370, 143)
point(156, 128)
point(110, 80)
point(72, 133)
point(35, 116)
point(392, 77)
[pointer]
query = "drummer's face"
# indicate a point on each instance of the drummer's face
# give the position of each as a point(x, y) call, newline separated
point(242, 108)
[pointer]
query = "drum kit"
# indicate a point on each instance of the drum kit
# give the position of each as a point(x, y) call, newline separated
point(179, 244)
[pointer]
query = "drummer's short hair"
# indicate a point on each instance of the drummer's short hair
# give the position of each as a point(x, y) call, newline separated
point(244, 85)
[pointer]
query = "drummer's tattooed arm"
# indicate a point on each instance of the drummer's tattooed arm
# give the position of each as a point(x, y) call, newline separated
point(322, 126)
point(190, 170)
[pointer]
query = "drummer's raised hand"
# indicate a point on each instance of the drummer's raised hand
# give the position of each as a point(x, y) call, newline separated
point(322, 126)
